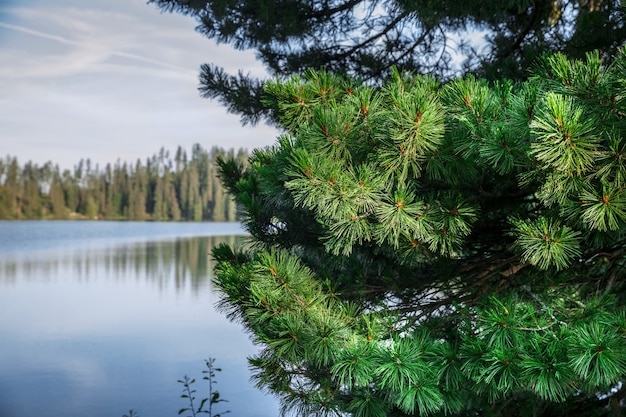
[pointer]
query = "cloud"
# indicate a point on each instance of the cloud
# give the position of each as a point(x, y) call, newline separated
point(110, 79)
point(84, 56)
point(92, 42)
point(37, 33)
point(98, 35)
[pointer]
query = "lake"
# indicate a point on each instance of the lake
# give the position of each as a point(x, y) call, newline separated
point(97, 318)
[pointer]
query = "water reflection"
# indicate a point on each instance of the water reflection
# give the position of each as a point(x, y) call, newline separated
point(179, 262)
point(99, 327)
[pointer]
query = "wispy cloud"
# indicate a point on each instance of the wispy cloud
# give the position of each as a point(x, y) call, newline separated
point(109, 79)
point(33, 32)
point(86, 45)
point(90, 45)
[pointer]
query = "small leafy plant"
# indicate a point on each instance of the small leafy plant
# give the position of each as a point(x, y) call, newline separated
point(214, 396)
point(188, 393)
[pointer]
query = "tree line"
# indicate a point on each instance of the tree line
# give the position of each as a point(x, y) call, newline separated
point(184, 187)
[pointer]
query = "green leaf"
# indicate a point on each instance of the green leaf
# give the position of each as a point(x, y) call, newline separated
point(565, 138)
point(354, 369)
point(419, 399)
point(502, 370)
point(545, 243)
point(546, 371)
point(598, 354)
point(402, 364)
point(367, 404)
point(204, 400)
point(605, 212)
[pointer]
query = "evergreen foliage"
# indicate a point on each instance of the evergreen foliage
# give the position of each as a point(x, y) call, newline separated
point(366, 39)
point(438, 249)
point(162, 189)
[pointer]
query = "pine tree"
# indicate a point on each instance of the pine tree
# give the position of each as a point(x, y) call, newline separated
point(71, 190)
point(91, 208)
point(137, 193)
point(110, 211)
point(31, 203)
point(58, 206)
point(4, 205)
point(219, 198)
point(173, 207)
point(438, 249)
point(10, 189)
point(367, 38)
point(201, 163)
point(159, 210)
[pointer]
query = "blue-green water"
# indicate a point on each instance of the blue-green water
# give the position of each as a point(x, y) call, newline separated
point(97, 318)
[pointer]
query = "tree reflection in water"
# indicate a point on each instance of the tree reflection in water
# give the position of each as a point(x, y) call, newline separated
point(186, 261)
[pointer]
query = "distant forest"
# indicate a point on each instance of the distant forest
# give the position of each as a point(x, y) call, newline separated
point(179, 188)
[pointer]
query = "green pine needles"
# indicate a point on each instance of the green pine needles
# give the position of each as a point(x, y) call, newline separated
point(420, 248)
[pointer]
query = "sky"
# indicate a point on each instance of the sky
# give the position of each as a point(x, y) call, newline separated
point(110, 79)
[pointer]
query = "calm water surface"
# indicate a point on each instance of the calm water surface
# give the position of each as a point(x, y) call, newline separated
point(97, 318)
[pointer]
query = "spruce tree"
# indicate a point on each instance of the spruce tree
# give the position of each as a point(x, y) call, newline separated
point(57, 198)
point(32, 204)
point(10, 189)
point(422, 248)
